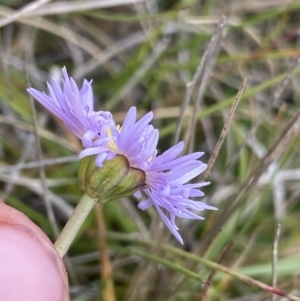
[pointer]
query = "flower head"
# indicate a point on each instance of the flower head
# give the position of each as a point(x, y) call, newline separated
point(75, 107)
point(163, 179)
point(167, 176)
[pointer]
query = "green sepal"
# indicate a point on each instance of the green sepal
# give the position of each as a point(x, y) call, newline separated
point(115, 179)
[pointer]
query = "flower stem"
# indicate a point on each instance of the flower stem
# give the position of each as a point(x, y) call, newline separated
point(73, 225)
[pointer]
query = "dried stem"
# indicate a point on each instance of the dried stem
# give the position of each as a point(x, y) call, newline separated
point(225, 129)
point(206, 62)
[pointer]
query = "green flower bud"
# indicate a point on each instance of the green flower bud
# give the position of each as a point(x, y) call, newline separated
point(115, 179)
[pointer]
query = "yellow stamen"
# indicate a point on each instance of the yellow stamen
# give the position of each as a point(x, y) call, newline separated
point(111, 143)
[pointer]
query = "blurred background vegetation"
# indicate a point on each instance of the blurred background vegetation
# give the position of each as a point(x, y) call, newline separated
point(159, 55)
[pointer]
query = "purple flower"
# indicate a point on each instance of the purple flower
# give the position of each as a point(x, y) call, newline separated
point(167, 176)
point(75, 108)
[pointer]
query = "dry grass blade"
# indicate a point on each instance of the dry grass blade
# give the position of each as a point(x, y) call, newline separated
point(35, 185)
point(48, 205)
point(148, 63)
point(258, 6)
point(281, 88)
point(37, 164)
point(61, 31)
point(241, 257)
point(277, 95)
point(197, 75)
point(210, 264)
point(22, 12)
point(212, 51)
point(108, 53)
point(32, 182)
point(42, 132)
point(203, 296)
point(223, 134)
point(77, 6)
point(275, 150)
